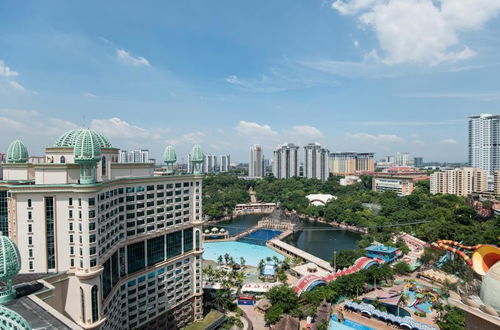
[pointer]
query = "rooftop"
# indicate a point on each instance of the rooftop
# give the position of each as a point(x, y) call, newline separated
point(381, 249)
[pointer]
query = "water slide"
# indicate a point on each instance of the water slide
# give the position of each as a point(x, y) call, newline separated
point(483, 256)
point(308, 282)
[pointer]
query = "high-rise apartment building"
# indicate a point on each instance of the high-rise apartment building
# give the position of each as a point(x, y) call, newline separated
point(348, 163)
point(210, 164)
point(225, 163)
point(418, 162)
point(286, 161)
point(123, 246)
point(403, 158)
point(461, 182)
point(134, 156)
point(316, 160)
point(484, 142)
point(256, 161)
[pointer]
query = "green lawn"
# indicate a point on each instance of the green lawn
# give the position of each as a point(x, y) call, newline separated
point(208, 320)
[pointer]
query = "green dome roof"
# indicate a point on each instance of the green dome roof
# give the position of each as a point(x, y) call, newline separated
point(17, 152)
point(68, 139)
point(87, 146)
point(10, 260)
point(12, 320)
point(197, 154)
point(169, 155)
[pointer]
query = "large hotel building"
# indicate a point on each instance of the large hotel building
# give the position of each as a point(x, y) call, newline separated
point(120, 247)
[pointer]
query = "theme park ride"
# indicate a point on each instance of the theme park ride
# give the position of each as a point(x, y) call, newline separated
point(483, 256)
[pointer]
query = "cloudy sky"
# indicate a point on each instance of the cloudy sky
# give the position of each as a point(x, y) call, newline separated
point(354, 75)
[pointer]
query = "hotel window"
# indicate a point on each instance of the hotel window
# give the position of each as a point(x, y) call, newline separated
point(135, 257)
point(79, 214)
point(70, 215)
point(71, 250)
point(30, 240)
point(72, 262)
point(71, 226)
point(31, 265)
point(79, 202)
point(30, 253)
point(174, 244)
point(71, 238)
point(29, 202)
point(156, 250)
point(30, 215)
point(70, 201)
point(95, 302)
point(91, 201)
point(30, 228)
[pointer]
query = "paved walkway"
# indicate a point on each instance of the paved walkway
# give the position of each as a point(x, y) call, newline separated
point(256, 317)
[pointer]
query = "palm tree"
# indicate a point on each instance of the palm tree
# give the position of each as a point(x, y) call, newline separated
point(260, 267)
point(242, 262)
point(226, 257)
point(220, 260)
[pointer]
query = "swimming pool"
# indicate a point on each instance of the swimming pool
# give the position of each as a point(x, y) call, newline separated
point(424, 306)
point(347, 324)
point(251, 252)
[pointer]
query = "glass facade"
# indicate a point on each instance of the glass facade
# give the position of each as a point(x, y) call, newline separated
point(106, 279)
point(135, 257)
point(95, 304)
point(174, 244)
point(156, 250)
point(188, 240)
point(4, 221)
point(49, 232)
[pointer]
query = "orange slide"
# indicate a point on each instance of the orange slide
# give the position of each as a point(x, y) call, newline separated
point(483, 257)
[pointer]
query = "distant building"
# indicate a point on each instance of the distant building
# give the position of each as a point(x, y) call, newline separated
point(225, 163)
point(285, 161)
point(210, 163)
point(348, 163)
point(484, 146)
point(418, 162)
point(461, 181)
point(316, 162)
point(403, 159)
point(134, 156)
point(402, 184)
point(256, 161)
point(386, 253)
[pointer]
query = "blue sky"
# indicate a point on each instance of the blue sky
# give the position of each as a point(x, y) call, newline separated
point(354, 75)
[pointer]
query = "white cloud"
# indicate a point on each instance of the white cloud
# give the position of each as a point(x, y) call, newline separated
point(375, 139)
point(307, 131)
point(356, 43)
point(410, 123)
point(17, 86)
point(89, 95)
point(419, 142)
point(115, 127)
point(130, 59)
point(188, 138)
point(251, 128)
point(421, 31)
point(5, 71)
point(483, 96)
point(449, 141)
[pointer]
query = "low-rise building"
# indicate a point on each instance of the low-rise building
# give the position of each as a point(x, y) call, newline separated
point(402, 184)
point(349, 180)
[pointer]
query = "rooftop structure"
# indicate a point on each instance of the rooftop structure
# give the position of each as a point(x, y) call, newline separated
point(386, 253)
point(17, 152)
point(169, 158)
point(320, 199)
point(10, 264)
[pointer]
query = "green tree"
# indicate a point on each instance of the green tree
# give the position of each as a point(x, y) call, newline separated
point(345, 258)
point(402, 268)
point(454, 319)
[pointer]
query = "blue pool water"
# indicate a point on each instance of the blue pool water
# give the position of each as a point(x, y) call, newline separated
point(251, 252)
point(260, 236)
point(347, 324)
point(425, 306)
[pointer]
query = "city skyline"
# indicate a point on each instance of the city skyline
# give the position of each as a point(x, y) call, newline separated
point(211, 74)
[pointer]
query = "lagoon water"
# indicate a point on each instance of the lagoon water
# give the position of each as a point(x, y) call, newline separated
point(314, 239)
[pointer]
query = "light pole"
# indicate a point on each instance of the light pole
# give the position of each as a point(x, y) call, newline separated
point(334, 261)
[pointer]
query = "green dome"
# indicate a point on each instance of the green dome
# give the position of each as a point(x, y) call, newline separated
point(17, 152)
point(10, 260)
point(11, 320)
point(68, 139)
point(87, 147)
point(169, 155)
point(196, 154)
